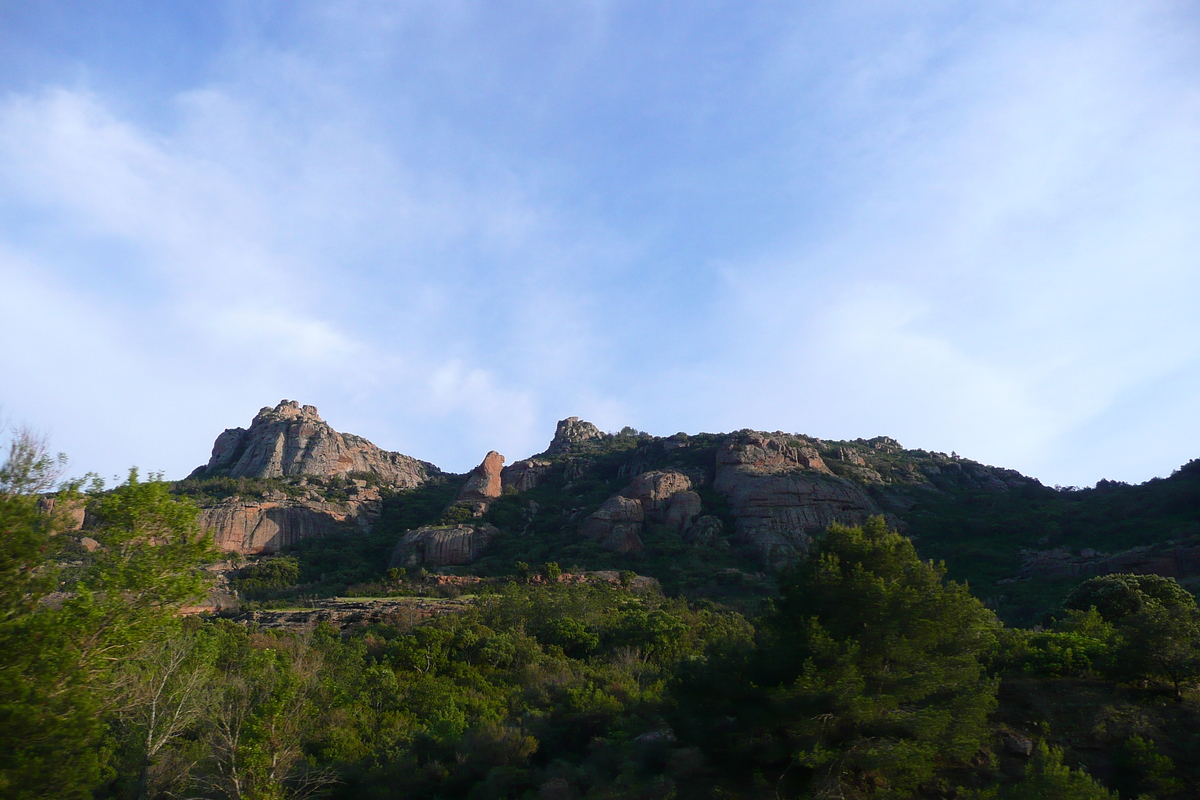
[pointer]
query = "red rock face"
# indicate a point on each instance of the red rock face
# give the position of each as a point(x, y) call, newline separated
point(781, 493)
point(663, 497)
point(255, 527)
point(484, 483)
point(1180, 561)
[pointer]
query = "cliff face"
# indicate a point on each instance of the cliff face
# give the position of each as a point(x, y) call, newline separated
point(291, 439)
point(254, 527)
point(780, 492)
point(441, 545)
point(572, 432)
point(483, 484)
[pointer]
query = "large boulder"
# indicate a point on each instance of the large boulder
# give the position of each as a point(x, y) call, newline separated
point(655, 489)
point(291, 439)
point(663, 497)
point(780, 492)
point(442, 545)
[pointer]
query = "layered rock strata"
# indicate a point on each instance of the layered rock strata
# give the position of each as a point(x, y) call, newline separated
point(291, 439)
point(780, 492)
point(1180, 561)
point(442, 545)
point(253, 527)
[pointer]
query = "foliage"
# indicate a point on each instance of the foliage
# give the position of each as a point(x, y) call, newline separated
point(276, 572)
point(1120, 594)
point(219, 487)
point(869, 677)
point(1047, 778)
point(65, 661)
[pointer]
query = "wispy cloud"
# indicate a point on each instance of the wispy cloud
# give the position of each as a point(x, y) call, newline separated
point(970, 227)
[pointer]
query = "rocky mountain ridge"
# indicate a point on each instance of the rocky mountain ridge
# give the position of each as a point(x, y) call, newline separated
point(703, 507)
point(775, 490)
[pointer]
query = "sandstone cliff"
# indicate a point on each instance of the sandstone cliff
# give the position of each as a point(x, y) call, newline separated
point(252, 527)
point(521, 476)
point(291, 439)
point(780, 492)
point(442, 545)
point(1172, 559)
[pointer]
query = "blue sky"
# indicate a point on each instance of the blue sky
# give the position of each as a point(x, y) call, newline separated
point(972, 227)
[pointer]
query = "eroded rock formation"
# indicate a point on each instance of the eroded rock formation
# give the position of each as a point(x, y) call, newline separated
point(442, 545)
point(616, 525)
point(483, 484)
point(264, 526)
point(663, 496)
point(292, 439)
point(524, 475)
point(780, 492)
point(1181, 561)
point(572, 431)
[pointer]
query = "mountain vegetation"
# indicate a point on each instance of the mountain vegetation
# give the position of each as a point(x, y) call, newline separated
point(710, 616)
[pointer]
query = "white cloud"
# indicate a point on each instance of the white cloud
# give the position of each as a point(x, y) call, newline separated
point(448, 234)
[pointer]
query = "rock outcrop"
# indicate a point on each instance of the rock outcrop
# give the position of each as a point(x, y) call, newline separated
point(1180, 561)
point(616, 525)
point(71, 514)
point(292, 439)
point(571, 432)
point(483, 484)
point(442, 545)
point(521, 476)
point(252, 527)
point(664, 497)
point(780, 491)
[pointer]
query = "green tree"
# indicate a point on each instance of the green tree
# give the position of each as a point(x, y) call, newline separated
point(49, 726)
point(1121, 594)
point(1157, 624)
point(66, 664)
point(1160, 643)
point(868, 679)
point(1047, 778)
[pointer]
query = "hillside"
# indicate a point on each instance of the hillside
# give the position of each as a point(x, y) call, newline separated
point(710, 616)
point(708, 515)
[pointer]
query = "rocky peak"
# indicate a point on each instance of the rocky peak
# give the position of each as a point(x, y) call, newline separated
point(292, 439)
point(572, 431)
